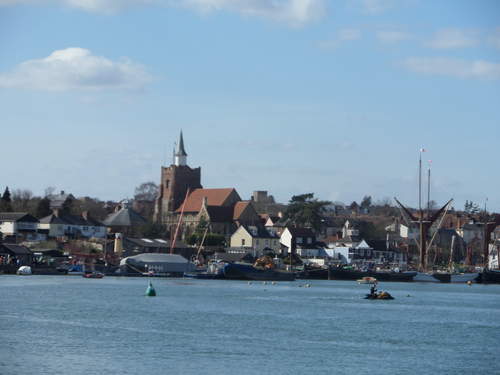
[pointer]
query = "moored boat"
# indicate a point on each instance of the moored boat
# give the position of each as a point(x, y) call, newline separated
point(339, 273)
point(490, 276)
point(446, 277)
point(242, 271)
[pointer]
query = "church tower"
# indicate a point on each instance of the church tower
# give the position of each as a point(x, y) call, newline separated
point(175, 181)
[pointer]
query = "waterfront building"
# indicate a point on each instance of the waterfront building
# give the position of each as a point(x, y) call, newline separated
point(20, 225)
point(254, 239)
point(62, 224)
point(301, 241)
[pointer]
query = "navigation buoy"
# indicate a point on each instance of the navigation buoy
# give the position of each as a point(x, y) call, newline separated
point(150, 291)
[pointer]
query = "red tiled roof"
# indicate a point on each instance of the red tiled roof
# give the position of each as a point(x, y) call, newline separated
point(215, 197)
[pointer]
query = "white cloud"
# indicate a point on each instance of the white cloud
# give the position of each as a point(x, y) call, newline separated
point(75, 68)
point(479, 69)
point(295, 12)
point(454, 38)
point(343, 35)
point(392, 36)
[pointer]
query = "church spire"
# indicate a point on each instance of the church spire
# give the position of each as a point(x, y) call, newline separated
point(180, 154)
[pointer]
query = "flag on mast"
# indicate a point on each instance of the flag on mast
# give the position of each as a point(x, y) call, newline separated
point(422, 149)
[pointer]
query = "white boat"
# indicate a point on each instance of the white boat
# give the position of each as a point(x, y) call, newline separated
point(24, 271)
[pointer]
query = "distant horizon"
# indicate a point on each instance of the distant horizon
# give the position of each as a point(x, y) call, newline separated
point(330, 97)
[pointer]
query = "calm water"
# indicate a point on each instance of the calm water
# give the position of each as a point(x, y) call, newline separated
point(71, 325)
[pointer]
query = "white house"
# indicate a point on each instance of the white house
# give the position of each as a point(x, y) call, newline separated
point(301, 241)
point(254, 238)
point(19, 224)
point(59, 224)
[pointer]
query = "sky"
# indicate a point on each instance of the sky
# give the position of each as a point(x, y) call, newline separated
point(334, 97)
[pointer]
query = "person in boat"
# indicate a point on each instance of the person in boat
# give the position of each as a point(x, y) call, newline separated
point(373, 289)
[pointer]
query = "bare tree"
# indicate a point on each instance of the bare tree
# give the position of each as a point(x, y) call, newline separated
point(147, 191)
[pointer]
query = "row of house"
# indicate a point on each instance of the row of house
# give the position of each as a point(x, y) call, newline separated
point(61, 224)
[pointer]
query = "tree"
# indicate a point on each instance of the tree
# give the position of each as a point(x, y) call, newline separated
point(6, 201)
point(305, 210)
point(366, 202)
point(21, 200)
point(43, 208)
point(147, 191)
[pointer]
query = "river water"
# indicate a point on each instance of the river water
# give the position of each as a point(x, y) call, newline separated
point(71, 325)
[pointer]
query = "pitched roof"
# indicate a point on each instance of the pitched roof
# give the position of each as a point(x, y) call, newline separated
point(220, 214)
point(258, 231)
point(239, 207)
point(125, 217)
point(215, 197)
point(68, 219)
point(301, 232)
point(17, 216)
point(57, 200)
point(17, 249)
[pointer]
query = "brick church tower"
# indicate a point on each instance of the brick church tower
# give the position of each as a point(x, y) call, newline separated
point(175, 182)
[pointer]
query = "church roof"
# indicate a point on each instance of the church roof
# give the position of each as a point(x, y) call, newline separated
point(239, 207)
point(180, 147)
point(215, 197)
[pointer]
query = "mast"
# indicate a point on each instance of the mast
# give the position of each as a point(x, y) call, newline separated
point(172, 243)
point(422, 231)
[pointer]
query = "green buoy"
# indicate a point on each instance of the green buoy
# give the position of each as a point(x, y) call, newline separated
point(150, 292)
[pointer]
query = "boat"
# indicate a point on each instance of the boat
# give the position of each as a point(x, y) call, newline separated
point(367, 280)
point(93, 275)
point(313, 273)
point(245, 271)
point(448, 277)
point(379, 295)
point(342, 273)
point(24, 271)
point(489, 276)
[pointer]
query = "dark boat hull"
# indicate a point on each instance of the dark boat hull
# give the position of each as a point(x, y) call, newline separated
point(237, 271)
point(490, 277)
point(344, 274)
point(314, 274)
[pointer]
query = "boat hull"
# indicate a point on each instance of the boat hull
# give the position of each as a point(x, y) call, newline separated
point(343, 274)
point(490, 277)
point(237, 271)
point(456, 277)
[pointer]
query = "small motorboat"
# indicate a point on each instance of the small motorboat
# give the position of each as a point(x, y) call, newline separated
point(24, 271)
point(93, 275)
point(379, 295)
point(367, 280)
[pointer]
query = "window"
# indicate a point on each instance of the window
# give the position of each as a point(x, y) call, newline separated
point(167, 182)
point(309, 240)
point(242, 242)
point(299, 239)
point(257, 242)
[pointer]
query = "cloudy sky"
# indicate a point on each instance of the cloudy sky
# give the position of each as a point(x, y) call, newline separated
point(334, 97)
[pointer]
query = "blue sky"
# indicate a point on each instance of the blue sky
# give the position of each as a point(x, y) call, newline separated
point(289, 96)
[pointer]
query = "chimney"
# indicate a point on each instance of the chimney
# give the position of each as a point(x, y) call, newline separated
point(205, 201)
point(85, 215)
point(118, 249)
